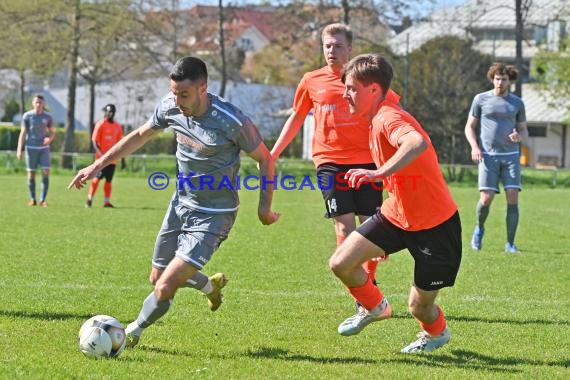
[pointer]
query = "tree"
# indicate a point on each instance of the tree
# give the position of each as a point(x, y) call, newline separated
point(222, 47)
point(521, 12)
point(160, 27)
point(280, 66)
point(388, 10)
point(551, 66)
point(43, 35)
point(442, 88)
point(22, 26)
point(100, 35)
point(297, 49)
point(72, 20)
point(552, 70)
point(12, 108)
point(105, 52)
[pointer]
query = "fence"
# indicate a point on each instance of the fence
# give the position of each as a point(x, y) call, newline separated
point(136, 163)
point(142, 164)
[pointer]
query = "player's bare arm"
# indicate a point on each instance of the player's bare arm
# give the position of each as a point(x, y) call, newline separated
point(21, 139)
point(267, 171)
point(123, 148)
point(470, 127)
point(523, 130)
point(96, 146)
point(410, 146)
point(288, 133)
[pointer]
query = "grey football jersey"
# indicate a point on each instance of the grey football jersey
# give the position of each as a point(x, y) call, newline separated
point(498, 115)
point(208, 152)
point(37, 128)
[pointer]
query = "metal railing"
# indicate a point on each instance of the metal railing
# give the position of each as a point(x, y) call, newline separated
point(143, 163)
point(78, 160)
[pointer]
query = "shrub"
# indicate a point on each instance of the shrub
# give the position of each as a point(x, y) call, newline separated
point(163, 143)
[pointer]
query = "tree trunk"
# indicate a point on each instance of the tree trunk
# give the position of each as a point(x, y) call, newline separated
point(68, 144)
point(453, 151)
point(92, 85)
point(345, 12)
point(22, 92)
point(175, 7)
point(222, 48)
point(519, 37)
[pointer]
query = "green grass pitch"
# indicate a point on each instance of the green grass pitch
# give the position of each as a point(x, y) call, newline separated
point(509, 315)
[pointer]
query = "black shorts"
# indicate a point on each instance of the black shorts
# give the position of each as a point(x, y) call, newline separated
point(436, 251)
point(108, 172)
point(340, 199)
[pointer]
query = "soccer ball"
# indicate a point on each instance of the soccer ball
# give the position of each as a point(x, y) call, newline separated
point(102, 336)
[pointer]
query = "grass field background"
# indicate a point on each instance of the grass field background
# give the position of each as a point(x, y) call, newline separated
point(509, 314)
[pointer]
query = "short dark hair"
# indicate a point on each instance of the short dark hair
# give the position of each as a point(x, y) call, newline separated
point(370, 68)
point(39, 96)
point(110, 107)
point(499, 68)
point(190, 68)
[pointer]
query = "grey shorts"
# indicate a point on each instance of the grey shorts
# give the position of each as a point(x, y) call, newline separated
point(190, 235)
point(504, 168)
point(35, 157)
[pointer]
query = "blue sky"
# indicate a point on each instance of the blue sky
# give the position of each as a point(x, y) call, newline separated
point(423, 7)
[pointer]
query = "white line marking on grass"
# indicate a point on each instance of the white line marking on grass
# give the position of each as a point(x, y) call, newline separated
point(323, 293)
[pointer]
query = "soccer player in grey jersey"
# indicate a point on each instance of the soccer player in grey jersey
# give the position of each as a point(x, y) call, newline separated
point(210, 133)
point(36, 134)
point(502, 120)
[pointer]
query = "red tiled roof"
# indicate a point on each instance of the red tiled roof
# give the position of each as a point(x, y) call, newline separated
point(262, 20)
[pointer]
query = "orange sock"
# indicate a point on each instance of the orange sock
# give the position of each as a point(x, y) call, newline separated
point(437, 327)
point(340, 239)
point(107, 189)
point(367, 295)
point(370, 268)
point(93, 187)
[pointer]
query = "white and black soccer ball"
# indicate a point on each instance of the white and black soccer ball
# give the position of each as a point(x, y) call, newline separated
point(102, 336)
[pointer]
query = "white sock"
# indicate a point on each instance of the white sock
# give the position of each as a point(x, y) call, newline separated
point(134, 328)
point(208, 288)
point(380, 308)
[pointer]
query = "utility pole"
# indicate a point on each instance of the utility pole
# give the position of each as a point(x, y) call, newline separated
point(519, 34)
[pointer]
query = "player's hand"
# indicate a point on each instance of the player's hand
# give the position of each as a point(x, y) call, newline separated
point(515, 137)
point(268, 217)
point(476, 155)
point(83, 176)
point(18, 155)
point(357, 177)
point(47, 141)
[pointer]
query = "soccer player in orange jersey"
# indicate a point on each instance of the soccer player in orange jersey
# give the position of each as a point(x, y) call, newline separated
point(107, 133)
point(340, 140)
point(419, 214)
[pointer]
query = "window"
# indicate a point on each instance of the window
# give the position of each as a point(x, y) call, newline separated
point(246, 44)
point(536, 131)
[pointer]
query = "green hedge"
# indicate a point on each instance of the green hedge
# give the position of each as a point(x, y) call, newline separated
point(9, 137)
point(161, 144)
